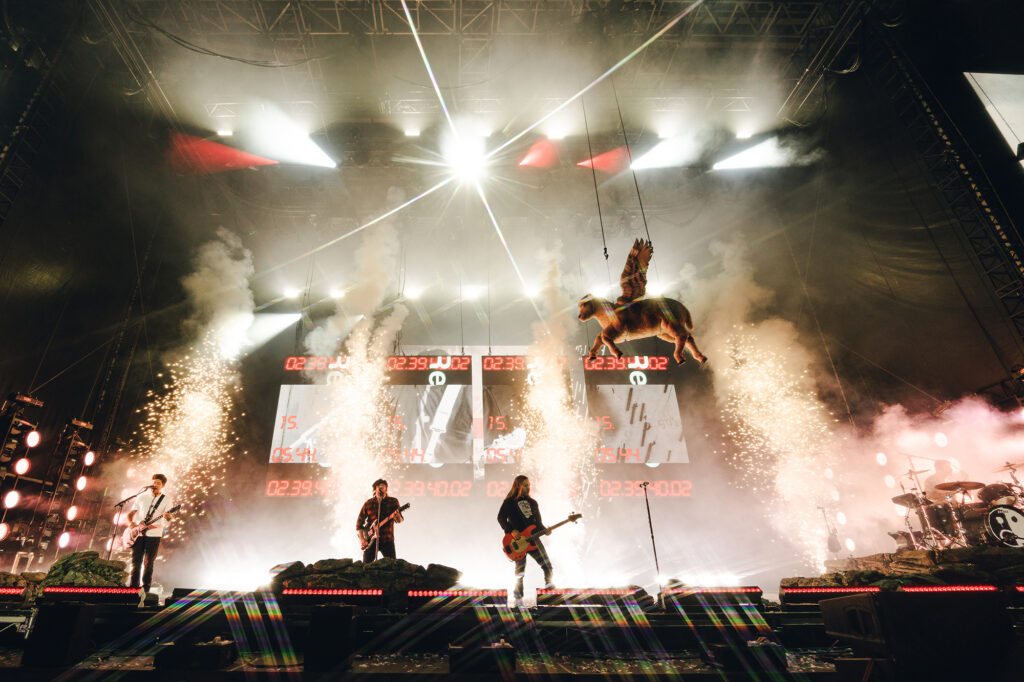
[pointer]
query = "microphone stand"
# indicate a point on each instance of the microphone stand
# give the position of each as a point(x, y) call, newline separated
point(657, 569)
point(117, 518)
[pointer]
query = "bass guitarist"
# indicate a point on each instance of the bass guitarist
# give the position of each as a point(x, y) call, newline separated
point(148, 506)
point(518, 512)
point(379, 537)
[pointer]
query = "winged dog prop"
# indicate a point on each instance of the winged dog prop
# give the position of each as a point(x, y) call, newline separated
point(634, 317)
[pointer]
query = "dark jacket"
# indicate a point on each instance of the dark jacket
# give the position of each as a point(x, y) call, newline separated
point(515, 516)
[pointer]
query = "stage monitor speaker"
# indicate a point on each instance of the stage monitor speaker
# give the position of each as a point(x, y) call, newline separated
point(60, 636)
point(331, 638)
point(927, 636)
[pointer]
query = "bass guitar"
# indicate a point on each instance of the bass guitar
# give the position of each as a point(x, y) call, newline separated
point(131, 534)
point(371, 534)
point(516, 548)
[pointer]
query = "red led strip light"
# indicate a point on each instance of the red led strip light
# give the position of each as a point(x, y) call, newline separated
point(11, 590)
point(828, 590)
point(91, 590)
point(458, 593)
point(345, 593)
point(583, 593)
point(952, 588)
point(712, 590)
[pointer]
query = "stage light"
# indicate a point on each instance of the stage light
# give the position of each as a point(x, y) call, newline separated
point(744, 133)
point(841, 518)
point(337, 292)
point(21, 466)
point(32, 439)
point(411, 132)
point(466, 156)
point(941, 440)
point(279, 137)
point(80, 483)
point(65, 540)
point(89, 459)
point(72, 513)
point(890, 481)
point(675, 151)
point(899, 509)
point(225, 133)
point(829, 474)
point(291, 292)
point(11, 499)
point(472, 291)
point(881, 459)
point(767, 154)
point(542, 154)
point(531, 291)
point(4, 530)
point(614, 161)
point(850, 545)
point(835, 494)
point(656, 288)
point(266, 326)
point(557, 133)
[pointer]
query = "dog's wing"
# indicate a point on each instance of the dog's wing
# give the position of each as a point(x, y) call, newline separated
point(634, 276)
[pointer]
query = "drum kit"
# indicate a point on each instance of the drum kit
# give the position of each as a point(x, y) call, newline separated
point(972, 514)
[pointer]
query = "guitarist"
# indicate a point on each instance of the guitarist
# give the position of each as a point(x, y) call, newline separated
point(148, 505)
point(517, 512)
point(382, 507)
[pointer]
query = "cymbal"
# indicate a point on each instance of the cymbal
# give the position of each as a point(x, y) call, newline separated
point(907, 500)
point(911, 472)
point(956, 486)
point(1009, 467)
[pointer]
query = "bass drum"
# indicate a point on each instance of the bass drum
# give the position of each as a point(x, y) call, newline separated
point(997, 493)
point(1004, 525)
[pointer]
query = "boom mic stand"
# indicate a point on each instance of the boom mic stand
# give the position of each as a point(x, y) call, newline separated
point(657, 569)
point(117, 518)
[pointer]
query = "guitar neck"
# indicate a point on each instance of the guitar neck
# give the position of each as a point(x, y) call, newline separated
point(548, 530)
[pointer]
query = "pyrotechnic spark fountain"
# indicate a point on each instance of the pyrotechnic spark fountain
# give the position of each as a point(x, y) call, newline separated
point(782, 436)
point(356, 433)
point(188, 432)
point(559, 457)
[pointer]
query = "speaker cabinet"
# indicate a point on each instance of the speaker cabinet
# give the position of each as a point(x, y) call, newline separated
point(60, 635)
point(331, 638)
point(926, 636)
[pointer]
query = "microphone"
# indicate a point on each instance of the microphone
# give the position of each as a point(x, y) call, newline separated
point(645, 484)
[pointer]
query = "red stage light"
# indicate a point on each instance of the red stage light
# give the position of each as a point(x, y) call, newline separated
point(543, 154)
point(951, 588)
point(829, 590)
point(195, 156)
point(57, 589)
point(713, 590)
point(615, 161)
point(347, 593)
point(458, 593)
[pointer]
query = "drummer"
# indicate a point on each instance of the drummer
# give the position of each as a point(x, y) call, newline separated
point(944, 473)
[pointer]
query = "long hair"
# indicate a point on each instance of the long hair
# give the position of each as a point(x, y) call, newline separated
point(516, 490)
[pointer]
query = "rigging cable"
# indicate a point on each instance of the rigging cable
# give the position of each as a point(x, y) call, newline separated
point(597, 194)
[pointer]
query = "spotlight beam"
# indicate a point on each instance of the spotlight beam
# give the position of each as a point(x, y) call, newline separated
point(508, 252)
point(362, 227)
point(640, 48)
point(430, 71)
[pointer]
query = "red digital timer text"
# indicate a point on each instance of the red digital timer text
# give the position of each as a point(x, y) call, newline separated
point(616, 488)
point(626, 362)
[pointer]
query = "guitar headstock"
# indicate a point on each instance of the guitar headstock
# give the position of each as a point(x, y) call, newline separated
point(405, 506)
point(574, 517)
point(173, 509)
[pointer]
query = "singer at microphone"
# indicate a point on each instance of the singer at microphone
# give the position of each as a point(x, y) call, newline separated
point(148, 519)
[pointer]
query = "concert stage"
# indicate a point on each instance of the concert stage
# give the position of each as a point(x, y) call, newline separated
point(689, 633)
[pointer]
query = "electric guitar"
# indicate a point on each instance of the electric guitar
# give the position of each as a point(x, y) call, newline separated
point(131, 534)
point(516, 548)
point(371, 534)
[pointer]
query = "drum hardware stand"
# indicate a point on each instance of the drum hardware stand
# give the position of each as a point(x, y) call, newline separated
point(954, 511)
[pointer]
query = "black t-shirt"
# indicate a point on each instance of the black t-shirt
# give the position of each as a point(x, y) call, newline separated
point(518, 513)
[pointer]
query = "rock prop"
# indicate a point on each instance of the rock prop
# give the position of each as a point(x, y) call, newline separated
point(1000, 566)
point(85, 569)
point(394, 576)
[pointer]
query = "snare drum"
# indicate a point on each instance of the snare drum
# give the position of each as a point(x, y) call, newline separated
point(997, 494)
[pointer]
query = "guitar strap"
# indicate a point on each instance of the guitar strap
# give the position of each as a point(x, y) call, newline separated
point(152, 508)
